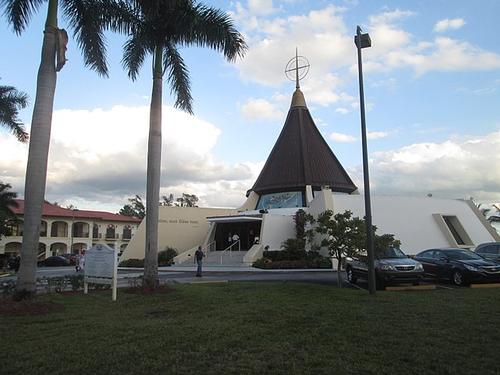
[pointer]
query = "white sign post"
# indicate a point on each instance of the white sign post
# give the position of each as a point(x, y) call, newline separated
point(101, 267)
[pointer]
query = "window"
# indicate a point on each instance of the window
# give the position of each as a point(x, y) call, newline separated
point(449, 222)
point(491, 249)
point(127, 232)
point(453, 230)
point(428, 254)
point(110, 231)
point(281, 200)
point(95, 231)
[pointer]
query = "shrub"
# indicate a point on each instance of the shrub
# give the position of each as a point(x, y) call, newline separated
point(76, 281)
point(7, 288)
point(166, 257)
point(288, 260)
point(136, 263)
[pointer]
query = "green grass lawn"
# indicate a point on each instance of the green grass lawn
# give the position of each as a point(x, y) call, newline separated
point(259, 328)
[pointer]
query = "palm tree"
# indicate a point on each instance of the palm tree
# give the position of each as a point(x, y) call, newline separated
point(7, 201)
point(84, 18)
point(11, 101)
point(159, 28)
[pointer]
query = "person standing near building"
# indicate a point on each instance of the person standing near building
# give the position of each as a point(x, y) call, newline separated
point(81, 261)
point(236, 238)
point(198, 257)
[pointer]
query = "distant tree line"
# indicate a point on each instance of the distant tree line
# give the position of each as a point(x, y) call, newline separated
point(137, 209)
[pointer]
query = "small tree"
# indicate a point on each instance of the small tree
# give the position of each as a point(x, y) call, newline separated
point(303, 234)
point(346, 236)
point(167, 200)
point(135, 208)
point(187, 200)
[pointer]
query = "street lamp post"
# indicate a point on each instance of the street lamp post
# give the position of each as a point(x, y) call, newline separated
point(364, 41)
point(72, 230)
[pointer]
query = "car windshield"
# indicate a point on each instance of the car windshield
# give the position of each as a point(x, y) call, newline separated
point(462, 255)
point(392, 252)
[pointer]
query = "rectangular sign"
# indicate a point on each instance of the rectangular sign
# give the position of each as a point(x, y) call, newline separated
point(100, 261)
point(101, 267)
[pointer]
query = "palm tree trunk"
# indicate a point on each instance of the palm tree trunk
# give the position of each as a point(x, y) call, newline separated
point(153, 175)
point(36, 170)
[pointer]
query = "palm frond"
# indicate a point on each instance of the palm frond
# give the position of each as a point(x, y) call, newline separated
point(134, 52)
point(11, 101)
point(7, 200)
point(119, 16)
point(19, 12)
point(213, 28)
point(85, 18)
point(178, 78)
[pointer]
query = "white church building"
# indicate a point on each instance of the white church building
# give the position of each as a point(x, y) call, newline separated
point(303, 172)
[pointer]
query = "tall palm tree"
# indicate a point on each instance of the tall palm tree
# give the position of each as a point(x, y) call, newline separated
point(159, 28)
point(84, 18)
point(11, 101)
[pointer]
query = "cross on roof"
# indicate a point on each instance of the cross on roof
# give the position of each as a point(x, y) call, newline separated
point(296, 64)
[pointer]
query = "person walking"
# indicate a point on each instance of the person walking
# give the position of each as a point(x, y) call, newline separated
point(198, 257)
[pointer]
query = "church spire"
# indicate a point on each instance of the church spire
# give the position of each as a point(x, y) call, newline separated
point(301, 157)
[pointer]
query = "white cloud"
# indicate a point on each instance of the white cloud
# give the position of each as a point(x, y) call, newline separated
point(342, 110)
point(457, 168)
point(260, 109)
point(449, 24)
point(377, 135)
point(390, 16)
point(272, 39)
point(394, 48)
point(98, 157)
point(344, 138)
point(261, 7)
point(324, 38)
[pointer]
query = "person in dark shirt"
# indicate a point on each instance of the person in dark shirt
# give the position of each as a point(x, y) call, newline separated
point(198, 257)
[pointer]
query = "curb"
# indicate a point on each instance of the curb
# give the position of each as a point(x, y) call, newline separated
point(412, 287)
point(484, 286)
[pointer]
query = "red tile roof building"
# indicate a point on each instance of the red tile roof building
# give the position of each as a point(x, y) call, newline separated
point(65, 230)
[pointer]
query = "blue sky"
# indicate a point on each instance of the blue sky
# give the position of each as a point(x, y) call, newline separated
point(432, 84)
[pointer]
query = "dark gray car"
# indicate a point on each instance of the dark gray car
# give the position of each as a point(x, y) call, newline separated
point(489, 250)
point(391, 266)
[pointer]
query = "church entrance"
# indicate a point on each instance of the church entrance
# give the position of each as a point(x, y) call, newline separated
point(248, 232)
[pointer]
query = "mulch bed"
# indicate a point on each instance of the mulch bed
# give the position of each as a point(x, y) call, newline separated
point(13, 308)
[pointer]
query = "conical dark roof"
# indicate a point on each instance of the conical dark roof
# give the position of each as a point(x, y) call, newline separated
point(301, 157)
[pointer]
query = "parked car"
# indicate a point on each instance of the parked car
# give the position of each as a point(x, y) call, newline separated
point(489, 250)
point(54, 261)
point(71, 258)
point(459, 266)
point(391, 266)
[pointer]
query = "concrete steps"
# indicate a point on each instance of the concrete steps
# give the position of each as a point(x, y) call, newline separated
point(213, 258)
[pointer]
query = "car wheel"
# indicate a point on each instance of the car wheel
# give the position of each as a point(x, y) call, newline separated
point(457, 278)
point(350, 276)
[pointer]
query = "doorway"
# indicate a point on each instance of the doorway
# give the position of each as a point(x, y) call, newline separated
point(247, 231)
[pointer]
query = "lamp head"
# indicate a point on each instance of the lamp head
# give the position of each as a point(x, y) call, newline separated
point(362, 40)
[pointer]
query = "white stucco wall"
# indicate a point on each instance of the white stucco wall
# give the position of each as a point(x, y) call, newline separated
point(277, 226)
point(179, 227)
point(410, 219)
